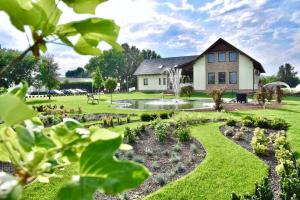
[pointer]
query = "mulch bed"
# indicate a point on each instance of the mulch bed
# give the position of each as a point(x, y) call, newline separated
point(148, 151)
point(270, 160)
point(249, 106)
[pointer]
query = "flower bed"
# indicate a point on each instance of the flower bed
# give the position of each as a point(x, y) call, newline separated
point(167, 159)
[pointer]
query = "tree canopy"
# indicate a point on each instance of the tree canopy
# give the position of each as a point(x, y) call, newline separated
point(288, 75)
point(121, 65)
point(77, 73)
point(22, 71)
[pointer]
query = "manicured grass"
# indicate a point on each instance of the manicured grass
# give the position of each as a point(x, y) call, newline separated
point(226, 168)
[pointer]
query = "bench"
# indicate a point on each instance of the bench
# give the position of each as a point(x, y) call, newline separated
point(92, 99)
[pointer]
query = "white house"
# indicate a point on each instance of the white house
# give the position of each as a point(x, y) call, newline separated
point(221, 65)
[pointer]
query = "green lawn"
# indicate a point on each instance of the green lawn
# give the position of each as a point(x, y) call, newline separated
point(227, 167)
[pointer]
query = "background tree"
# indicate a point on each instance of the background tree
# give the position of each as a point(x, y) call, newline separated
point(22, 71)
point(268, 79)
point(77, 73)
point(132, 59)
point(48, 73)
point(149, 54)
point(288, 75)
point(110, 85)
point(98, 80)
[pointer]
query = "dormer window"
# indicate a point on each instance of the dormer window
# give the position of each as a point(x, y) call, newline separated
point(232, 56)
point(211, 57)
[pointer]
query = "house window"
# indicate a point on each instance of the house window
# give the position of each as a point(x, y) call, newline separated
point(145, 81)
point(222, 77)
point(211, 78)
point(211, 57)
point(232, 56)
point(232, 77)
point(222, 56)
point(159, 81)
point(164, 81)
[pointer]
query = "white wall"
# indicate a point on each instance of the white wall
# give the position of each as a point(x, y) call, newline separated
point(153, 83)
point(245, 73)
point(199, 74)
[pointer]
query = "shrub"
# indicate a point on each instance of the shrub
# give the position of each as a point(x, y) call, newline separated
point(280, 141)
point(161, 131)
point(186, 91)
point(148, 152)
point(175, 158)
point(136, 131)
point(180, 168)
point(182, 133)
point(193, 149)
point(111, 122)
point(155, 166)
point(129, 155)
point(128, 120)
point(238, 136)
point(79, 110)
point(290, 184)
point(138, 159)
point(260, 142)
point(229, 132)
point(146, 117)
point(129, 135)
point(164, 115)
point(248, 121)
point(279, 124)
point(269, 94)
point(83, 119)
point(262, 122)
point(177, 147)
point(217, 94)
point(105, 124)
point(279, 94)
point(261, 95)
point(231, 122)
point(243, 129)
point(166, 153)
point(161, 180)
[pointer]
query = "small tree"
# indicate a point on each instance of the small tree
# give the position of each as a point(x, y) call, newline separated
point(270, 94)
point(279, 94)
point(98, 80)
point(261, 96)
point(48, 73)
point(110, 85)
point(186, 91)
point(217, 94)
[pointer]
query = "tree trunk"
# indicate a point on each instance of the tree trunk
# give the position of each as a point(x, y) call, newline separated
point(49, 95)
point(127, 89)
point(111, 98)
point(99, 93)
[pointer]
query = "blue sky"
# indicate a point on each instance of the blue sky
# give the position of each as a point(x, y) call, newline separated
point(268, 30)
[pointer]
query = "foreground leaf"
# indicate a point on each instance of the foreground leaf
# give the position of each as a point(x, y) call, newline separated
point(92, 32)
point(9, 187)
point(99, 169)
point(13, 110)
point(84, 6)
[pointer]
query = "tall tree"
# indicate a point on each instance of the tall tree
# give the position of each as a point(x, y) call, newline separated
point(132, 59)
point(111, 64)
point(288, 75)
point(77, 73)
point(48, 73)
point(111, 85)
point(98, 80)
point(22, 70)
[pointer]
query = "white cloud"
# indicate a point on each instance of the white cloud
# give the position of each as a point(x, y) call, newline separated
point(296, 17)
point(184, 5)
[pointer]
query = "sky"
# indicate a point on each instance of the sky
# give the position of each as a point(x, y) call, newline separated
point(267, 30)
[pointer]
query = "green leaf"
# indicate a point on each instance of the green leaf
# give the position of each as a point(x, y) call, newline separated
point(25, 138)
point(23, 12)
point(92, 32)
point(19, 90)
point(53, 16)
point(41, 140)
point(13, 110)
point(84, 6)
point(9, 187)
point(99, 169)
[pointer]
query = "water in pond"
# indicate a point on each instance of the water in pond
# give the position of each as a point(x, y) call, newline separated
point(165, 104)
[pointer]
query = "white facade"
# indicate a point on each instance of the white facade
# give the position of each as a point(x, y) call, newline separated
point(152, 83)
point(199, 79)
point(246, 73)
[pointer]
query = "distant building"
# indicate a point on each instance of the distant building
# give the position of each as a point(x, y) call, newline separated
point(221, 65)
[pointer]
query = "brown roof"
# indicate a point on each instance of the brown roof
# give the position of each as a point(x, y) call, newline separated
point(257, 64)
point(157, 66)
